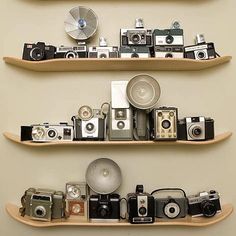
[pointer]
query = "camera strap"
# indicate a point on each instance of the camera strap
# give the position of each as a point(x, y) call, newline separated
point(169, 189)
point(22, 209)
point(218, 55)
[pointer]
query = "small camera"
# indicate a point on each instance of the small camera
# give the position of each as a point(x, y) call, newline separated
point(103, 51)
point(139, 36)
point(47, 132)
point(200, 51)
point(135, 52)
point(163, 123)
point(38, 52)
point(196, 128)
point(43, 204)
point(104, 207)
point(121, 113)
point(76, 200)
point(171, 207)
point(204, 204)
point(169, 43)
point(141, 207)
point(89, 124)
point(79, 51)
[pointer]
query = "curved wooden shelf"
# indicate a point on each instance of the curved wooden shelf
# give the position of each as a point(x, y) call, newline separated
point(116, 64)
point(227, 209)
point(218, 138)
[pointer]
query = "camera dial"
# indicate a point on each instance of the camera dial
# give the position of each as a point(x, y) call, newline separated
point(40, 211)
point(37, 54)
point(208, 208)
point(171, 210)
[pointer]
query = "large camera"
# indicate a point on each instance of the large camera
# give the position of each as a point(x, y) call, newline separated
point(204, 204)
point(79, 51)
point(38, 51)
point(141, 207)
point(171, 207)
point(43, 204)
point(138, 36)
point(47, 132)
point(121, 113)
point(103, 51)
point(163, 123)
point(169, 43)
point(196, 128)
point(200, 51)
point(135, 52)
point(89, 124)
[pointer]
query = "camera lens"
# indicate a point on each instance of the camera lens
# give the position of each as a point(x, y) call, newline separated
point(135, 38)
point(121, 125)
point(169, 55)
point(71, 55)
point(165, 124)
point(169, 39)
point(40, 211)
point(172, 210)
point(90, 127)
point(103, 211)
point(103, 55)
point(201, 55)
point(37, 54)
point(197, 131)
point(208, 208)
point(134, 55)
point(142, 210)
point(52, 133)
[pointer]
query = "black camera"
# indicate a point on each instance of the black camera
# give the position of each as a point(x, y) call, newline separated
point(141, 207)
point(38, 52)
point(196, 128)
point(200, 51)
point(204, 204)
point(104, 207)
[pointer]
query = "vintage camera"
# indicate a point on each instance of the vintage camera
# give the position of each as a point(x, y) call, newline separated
point(135, 52)
point(171, 207)
point(200, 51)
point(104, 207)
point(43, 204)
point(79, 51)
point(169, 43)
point(38, 51)
point(47, 132)
point(163, 123)
point(121, 113)
point(136, 37)
point(89, 124)
point(196, 128)
point(204, 204)
point(76, 200)
point(141, 207)
point(103, 51)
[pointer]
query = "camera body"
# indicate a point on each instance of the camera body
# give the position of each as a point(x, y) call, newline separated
point(79, 51)
point(121, 113)
point(141, 207)
point(38, 51)
point(46, 132)
point(196, 128)
point(204, 204)
point(169, 43)
point(163, 123)
point(89, 124)
point(104, 207)
point(76, 200)
point(44, 204)
point(135, 52)
point(200, 51)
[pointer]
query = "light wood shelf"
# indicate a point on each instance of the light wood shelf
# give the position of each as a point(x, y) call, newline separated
point(117, 64)
point(218, 138)
point(227, 209)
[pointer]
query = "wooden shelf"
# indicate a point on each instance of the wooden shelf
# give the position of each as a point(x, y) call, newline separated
point(218, 138)
point(117, 64)
point(227, 209)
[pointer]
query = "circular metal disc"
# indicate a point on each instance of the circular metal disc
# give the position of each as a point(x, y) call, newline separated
point(143, 92)
point(81, 23)
point(103, 176)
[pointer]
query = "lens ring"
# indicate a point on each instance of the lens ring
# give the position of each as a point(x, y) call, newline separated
point(169, 39)
point(208, 208)
point(172, 210)
point(37, 54)
point(40, 211)
point(52, 133)
point(71, 55)
point(90, 128)
point(135, 38)
point(166, 124)
point(201, 55)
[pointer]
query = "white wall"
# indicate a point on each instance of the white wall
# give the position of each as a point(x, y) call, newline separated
point(28, 97)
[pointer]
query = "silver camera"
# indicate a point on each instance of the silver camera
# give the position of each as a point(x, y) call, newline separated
point(43, 204)
point(103, 51)
point(89, 124)
point(163, 123)
point(137, 36)
point(121, 114)
point(169, 43)
point(79, 51)
point(47, 132)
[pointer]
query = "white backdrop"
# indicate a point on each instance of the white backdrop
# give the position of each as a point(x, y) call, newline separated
point(29, 97)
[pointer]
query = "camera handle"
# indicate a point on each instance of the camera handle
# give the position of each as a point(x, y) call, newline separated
point(124, 199)
point(170, 189)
